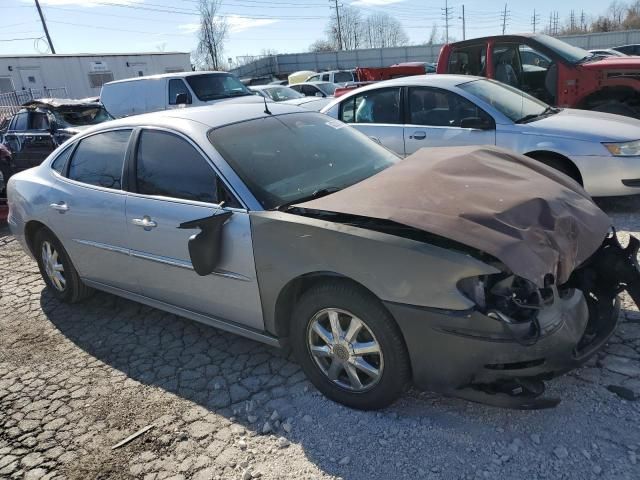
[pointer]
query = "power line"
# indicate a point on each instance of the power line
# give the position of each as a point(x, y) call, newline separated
point(44, 26)
point(19, 39)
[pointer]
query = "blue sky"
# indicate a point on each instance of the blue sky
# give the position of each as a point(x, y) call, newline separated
point(97, 26)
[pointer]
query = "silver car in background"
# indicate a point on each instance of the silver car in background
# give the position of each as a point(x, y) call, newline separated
point(600, 151)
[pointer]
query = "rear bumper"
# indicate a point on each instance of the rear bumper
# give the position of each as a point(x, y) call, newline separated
point(451, 350)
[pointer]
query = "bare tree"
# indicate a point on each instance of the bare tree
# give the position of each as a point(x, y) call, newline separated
point(211, 36)
point(322, 46)
point(433, 36)
point(382, 30)
point(351, 28)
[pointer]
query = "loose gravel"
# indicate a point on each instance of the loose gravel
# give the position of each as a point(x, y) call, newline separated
point(76, 380)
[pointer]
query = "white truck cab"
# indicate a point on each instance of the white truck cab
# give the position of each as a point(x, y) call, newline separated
point(134, 96)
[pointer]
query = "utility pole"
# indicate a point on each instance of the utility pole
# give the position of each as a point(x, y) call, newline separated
point(44, 26)
point(446, 12)
point(504, 15)
point(555, 22)
point(583, 23)
point(572, 21)
point(535, 18)
point(337, 7)
point(464, 28)
point(550, 23)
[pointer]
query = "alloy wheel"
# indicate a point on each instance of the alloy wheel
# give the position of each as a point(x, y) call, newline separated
point(345, 349)
point(52, 266)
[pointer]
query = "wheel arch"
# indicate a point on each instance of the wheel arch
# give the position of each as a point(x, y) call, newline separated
point(540, 155)
point(30, 229)
point(620, 93)
point(296, 287)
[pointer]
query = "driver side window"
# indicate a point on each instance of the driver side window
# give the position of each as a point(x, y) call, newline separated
point(440, 108)
point(506, 64)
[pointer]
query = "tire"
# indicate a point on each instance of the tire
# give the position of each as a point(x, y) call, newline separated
point(378, 330)
point(69, 288)
point(617, 108)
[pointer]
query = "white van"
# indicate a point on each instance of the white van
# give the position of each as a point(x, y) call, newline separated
point(334, 76)
point(137, 95)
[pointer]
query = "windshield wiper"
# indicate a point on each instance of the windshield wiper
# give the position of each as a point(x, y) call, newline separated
point(322, 192)
point(533, 116)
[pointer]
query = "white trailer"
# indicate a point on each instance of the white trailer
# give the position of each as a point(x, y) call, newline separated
point(82, 75)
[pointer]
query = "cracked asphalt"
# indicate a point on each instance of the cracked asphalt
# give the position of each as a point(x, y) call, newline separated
point(76, 380)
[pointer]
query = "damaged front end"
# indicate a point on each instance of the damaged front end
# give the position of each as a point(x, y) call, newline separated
point(521, 335)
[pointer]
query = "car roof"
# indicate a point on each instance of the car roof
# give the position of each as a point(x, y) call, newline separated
point(167, 75)
point(514, 36)
point(61, 103)
point(210, 116)
point(431, 80)
point(315, 82)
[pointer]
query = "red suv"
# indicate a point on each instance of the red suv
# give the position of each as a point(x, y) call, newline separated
point(551, 70)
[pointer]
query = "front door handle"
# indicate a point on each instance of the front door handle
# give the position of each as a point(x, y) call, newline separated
point(60, 207)
point(418, 135)
point(144, 222)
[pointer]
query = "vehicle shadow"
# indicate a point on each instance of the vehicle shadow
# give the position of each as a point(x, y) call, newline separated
point(245, 381)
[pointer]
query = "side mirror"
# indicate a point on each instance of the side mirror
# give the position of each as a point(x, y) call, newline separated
point(205, 247)
point(182, 99)
point(476, 123)
point(318, 94)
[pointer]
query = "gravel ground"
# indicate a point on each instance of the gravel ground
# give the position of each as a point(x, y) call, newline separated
point(76, 380)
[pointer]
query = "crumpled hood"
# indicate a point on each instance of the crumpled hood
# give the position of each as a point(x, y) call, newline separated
point(586, 125)
point(531, 217)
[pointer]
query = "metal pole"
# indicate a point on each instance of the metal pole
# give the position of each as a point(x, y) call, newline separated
point(446, 19)
point(504, 19)
point(339, 28)
point(44, 26)
point(464, 34)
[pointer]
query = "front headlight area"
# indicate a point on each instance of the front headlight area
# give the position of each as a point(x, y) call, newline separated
point(507, 297)
point(624, 149)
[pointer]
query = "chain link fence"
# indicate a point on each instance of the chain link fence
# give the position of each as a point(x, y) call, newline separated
point(11, 102)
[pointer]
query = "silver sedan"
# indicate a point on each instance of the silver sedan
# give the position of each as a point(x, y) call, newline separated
point(601, 151)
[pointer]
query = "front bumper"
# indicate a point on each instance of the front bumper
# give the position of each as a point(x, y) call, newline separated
point(451, 350)
point(603, 176)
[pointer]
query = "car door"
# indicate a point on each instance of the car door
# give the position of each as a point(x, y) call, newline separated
point(38, 140)
point(87, 207)
point(175, 183)
point(440, 118)
point(377, 114)
point(15, 141)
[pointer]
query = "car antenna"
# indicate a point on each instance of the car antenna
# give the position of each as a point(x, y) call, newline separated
point(266, 107)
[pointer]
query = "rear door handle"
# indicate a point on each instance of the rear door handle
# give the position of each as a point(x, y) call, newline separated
point(418, 135)
point(144, 222)
point(60, 207)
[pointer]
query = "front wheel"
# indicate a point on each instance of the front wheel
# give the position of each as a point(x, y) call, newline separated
point(57, 270)
point(349, 346)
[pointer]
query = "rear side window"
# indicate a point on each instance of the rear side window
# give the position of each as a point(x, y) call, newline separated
point(343, 77)
point(375, 106)
point(98, 159)
point(61, 160)
point(177, 86)
point(39, 121)
point(169, 166)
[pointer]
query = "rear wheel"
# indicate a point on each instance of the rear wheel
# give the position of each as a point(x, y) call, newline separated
point(349, 346)
point(57, 270)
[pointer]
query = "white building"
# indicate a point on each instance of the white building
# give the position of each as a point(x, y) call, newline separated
point(82, 75)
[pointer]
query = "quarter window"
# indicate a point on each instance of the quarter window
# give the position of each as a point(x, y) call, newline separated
point(98, 159)
point(61, 160)
point(168, 166)
point(375, 106)
point(21, 122)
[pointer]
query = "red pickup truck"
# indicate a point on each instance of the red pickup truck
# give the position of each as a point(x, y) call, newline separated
point(551, 70)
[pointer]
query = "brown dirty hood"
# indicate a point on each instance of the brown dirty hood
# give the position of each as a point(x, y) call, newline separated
point(529, 216)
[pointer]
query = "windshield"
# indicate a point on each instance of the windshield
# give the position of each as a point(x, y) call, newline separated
point(511, 102)
point(285, 158)
point(213, 86)
point(568, 52)
point(279, 94)
point(327, 88)
point(80, 117)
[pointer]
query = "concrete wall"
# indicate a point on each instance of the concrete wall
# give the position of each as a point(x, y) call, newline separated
point(383, 57)
point(73, 71)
